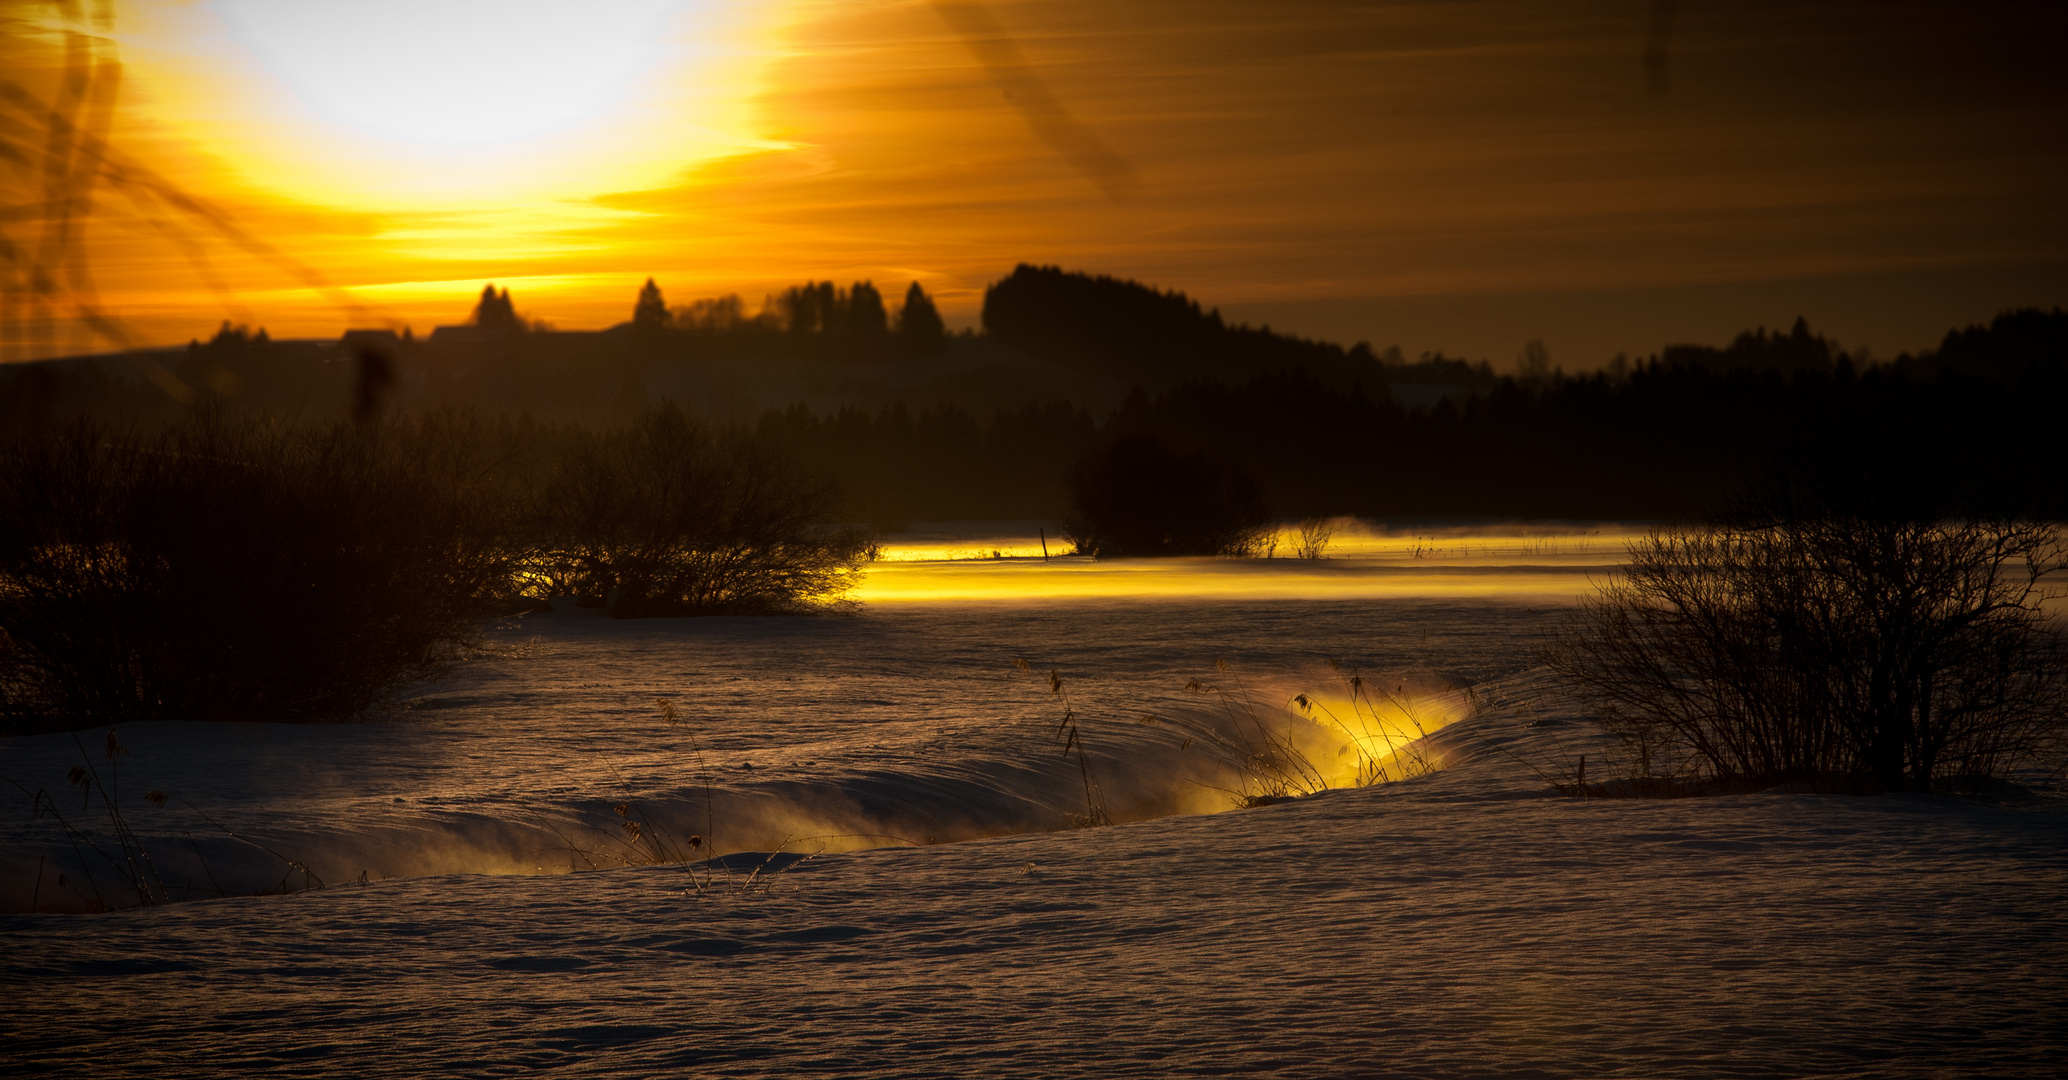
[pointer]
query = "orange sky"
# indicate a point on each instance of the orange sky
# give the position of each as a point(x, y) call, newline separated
point(1462, 176)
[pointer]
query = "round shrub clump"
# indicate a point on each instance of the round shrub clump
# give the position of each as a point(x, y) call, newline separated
point(1136, 497)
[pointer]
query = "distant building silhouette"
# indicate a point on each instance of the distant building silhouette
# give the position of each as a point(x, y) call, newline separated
point(485, 337)
point(469, 347)
point(354, 341)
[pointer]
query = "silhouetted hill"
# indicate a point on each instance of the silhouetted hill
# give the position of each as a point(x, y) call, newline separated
point(933, 426)
point(1797, 352)
point(1127, 330)
point(2016, 345)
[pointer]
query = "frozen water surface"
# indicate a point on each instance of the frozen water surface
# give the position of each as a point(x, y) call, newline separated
point(1464, 923)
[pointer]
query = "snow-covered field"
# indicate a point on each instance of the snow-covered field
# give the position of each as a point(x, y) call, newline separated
point(1466, 922)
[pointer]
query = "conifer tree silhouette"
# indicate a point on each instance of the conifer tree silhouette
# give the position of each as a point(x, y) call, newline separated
point(865, 314)
point(496, 310)
point(919, 323)
point(651, 311)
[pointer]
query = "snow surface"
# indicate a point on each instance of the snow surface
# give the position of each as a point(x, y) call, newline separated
point(1463, 923)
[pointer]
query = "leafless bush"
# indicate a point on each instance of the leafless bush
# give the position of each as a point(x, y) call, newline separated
point(666, 517)
point(219, 570)
point(1868, 652)
point(1315, 533)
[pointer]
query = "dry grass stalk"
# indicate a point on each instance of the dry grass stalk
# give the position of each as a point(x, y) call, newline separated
point(1272, 765)
point(1367, 728)
point(1068, 734)
point(126, 856)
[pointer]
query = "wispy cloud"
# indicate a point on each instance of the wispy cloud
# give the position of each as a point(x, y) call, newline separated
point(1044, 113)
point(1657, 36)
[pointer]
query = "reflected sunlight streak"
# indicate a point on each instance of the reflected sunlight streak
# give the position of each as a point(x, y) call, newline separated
point(1080, 578)
point(1547, 565)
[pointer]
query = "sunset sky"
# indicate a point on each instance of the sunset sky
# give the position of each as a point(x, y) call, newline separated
point(1606, 176)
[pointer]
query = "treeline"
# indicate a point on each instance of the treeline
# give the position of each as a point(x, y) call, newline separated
point(816, 320)
point(1677, 436)
point(1046, 334)
point(1110, 325)
point(237, 365)
point(916, 424)
point(498, 361)
point(896, 466)
point(236, 569)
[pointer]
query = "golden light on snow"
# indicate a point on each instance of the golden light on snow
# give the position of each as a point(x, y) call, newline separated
point(1196, 579)
point(1375, 730)
point(1536, 565)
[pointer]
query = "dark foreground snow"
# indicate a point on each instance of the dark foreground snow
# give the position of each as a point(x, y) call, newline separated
point(1418, 931)
point(1466, 923)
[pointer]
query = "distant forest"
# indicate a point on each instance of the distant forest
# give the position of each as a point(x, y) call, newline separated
point(919, 424)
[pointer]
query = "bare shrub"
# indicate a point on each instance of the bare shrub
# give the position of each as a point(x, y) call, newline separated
point(220, 570)
point(1867, 652)
point(1315, 534)
point(666, 517)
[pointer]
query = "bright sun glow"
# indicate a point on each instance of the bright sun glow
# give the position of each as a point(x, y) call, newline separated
point(455, 74)
point(513, 115)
